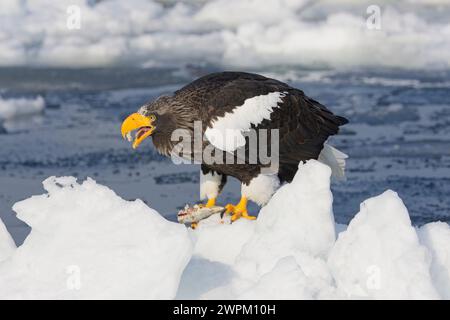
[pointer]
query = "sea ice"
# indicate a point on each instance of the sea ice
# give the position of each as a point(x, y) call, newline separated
point(229, 33)
point(297, 220)
point(88, 243)
point(19, 107)
point(379, 255)
point(7, 245)
point(436, 237)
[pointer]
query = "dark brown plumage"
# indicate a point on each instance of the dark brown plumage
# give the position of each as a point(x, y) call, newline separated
point(304, 124)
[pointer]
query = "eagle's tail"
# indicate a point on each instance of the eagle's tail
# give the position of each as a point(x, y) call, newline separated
point(335, 159)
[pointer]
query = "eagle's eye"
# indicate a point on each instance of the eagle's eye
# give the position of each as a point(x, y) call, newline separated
point(152, 117)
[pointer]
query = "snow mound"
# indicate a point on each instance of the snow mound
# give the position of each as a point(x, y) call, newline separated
point(221, 242)
point(379, 255)
point(297, 220)
point(230, 33)
point(292, 252)
point(436, 237)
point(20, 107)
point(284, 256)
point(7, 245)
point(88, 243)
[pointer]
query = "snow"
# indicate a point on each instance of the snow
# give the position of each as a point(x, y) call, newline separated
point(221, 242)
point(86, 242)
point(303, 222)
point(436, 237)
point(380, 256)
point(226, 133)
point(230, 33)
point(7, 245)
point(19, 107)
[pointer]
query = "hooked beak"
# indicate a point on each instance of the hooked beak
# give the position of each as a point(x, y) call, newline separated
point(143, 125)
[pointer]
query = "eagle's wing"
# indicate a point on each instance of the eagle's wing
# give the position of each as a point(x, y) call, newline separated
point(230, 103)
point(305, 125)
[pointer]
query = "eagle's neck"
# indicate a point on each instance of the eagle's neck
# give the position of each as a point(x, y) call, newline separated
point(173, 116)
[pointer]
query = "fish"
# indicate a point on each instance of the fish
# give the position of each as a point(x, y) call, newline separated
point(196, 213)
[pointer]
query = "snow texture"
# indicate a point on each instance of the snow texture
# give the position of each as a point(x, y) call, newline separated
point(436, 237)
point(86, 242)
point(298, 219)
point(7, 245)
point(379, 255)
point(221, 242)
point(226, 133)
point(231, 33)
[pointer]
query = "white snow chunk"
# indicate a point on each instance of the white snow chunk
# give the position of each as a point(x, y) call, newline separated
point(436, 237)
point(7, 245)
point(379, 255)
point(226, 133)
point(285, 282)
point(221, 242)
point(20, 107)
point(285, 255)
point(297, 220)
point(202, 275)
point(88, 243)
point(242, 34)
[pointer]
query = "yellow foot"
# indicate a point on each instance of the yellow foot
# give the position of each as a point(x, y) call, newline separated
point(211, 203)
point(194, 225)
point(239, 210)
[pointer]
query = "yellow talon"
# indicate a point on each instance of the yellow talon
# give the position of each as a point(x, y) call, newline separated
point(211, 203)
point(239, 210)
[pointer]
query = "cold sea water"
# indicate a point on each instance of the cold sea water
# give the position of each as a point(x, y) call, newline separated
point(398, 136)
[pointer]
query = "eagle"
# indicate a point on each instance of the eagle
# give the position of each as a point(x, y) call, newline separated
point(222, 109)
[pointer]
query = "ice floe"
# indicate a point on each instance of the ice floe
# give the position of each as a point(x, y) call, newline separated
point(87, 242)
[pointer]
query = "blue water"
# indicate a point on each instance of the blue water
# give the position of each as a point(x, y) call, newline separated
point(398, 136)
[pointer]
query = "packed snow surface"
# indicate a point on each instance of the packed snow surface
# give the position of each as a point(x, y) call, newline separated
point(7, 245)
point(238, 33)
point(86, 242)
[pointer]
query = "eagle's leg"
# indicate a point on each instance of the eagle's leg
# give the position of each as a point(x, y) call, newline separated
point(211, 202)
point(239, 210)
point(211, 184)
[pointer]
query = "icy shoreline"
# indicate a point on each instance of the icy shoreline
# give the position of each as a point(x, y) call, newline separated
point(154, 33)
point(86, 242)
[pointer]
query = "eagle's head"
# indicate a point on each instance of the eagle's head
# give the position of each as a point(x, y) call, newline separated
point(158, 119)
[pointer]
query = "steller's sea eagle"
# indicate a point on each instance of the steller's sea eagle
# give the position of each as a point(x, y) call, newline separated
point(230, 104)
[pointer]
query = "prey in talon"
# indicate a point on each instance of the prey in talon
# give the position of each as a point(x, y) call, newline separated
point(196, 213)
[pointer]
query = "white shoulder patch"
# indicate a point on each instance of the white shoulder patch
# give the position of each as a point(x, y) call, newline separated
point(226, 133)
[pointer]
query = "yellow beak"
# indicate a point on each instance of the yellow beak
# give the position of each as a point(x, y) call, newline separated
point(142, 124)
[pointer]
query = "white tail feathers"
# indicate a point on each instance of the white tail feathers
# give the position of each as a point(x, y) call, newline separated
point(335, 159)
